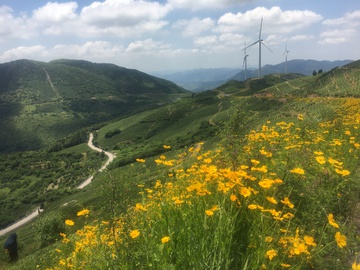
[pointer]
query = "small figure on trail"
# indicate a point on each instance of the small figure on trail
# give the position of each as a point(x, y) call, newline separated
point(11, 247)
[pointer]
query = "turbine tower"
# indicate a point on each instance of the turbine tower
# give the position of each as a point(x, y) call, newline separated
point(260, 41)
point(286, 57)
point(245, 60)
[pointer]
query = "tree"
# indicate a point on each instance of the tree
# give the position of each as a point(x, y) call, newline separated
point(314, 73)
point(49, 227)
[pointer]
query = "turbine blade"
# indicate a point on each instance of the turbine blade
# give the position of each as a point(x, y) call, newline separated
point(260, 28)
point(266, 47)
point(245, 58)
point(250, 45)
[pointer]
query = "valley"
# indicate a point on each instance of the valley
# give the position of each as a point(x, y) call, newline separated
point(36, 212)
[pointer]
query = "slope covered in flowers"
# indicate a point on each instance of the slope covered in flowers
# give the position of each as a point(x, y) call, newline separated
point(285, 200)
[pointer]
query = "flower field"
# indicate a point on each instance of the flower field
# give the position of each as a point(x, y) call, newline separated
point(286, 202)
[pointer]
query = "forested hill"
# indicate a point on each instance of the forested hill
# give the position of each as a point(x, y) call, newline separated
point(42, 102)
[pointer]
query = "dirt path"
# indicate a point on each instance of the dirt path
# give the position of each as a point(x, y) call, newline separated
point(36, 212)
point(20, 222)
point(48, 78)
point(110, 159)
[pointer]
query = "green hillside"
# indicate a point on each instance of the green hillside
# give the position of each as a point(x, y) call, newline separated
point(43, 102)
point(261, 174)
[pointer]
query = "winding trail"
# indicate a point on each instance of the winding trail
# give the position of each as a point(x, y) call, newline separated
point(111, 157)
point(37, 211)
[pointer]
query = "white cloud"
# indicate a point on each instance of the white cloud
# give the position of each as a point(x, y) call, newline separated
point(124, 17)
point(95, 50)
point(205, 4)
point(147, 46)
point(301, 37)
point(232, 39)
point(342, 29)
point(21, 52)
point(337, 36)
point(195, 26)
point(275, 20)
point(206, 41)
point(351, 19)
point(55, 12)
point(11, 26)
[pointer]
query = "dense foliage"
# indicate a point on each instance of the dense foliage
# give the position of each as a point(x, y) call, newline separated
point(28, 179)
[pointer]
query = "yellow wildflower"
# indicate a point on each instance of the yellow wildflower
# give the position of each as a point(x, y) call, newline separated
point(166, 146)
point(209, 212)
point(260, 169)
point(299, 248)
point(83, 212)
point(158, 161)
point(320, 159)
point(332, 221)
point(342, 172)
point(266, 183)
point(245, 192)
point(165, 239)
point(297, 171)
point(285, 265)
point(134, 233)
point(158, 184)
point(255, 162)
point(233, 198)
point(140, 160)
point(355, 266)
point(288, 215)
point(140, 207)
point(69, 222)
point(287, 202)
point(340, 239)
point(252, 206)
point(309, 241)
point(271, 199)
point(270, 254)
point(269, 239)
point(177, 201)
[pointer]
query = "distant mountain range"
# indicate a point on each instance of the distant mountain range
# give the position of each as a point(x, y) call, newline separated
point(205, 79)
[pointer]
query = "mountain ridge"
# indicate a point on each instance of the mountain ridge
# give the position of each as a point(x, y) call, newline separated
point(58, 97)
point(214, 77)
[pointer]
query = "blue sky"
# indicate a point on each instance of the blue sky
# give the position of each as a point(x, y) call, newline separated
point(157, 35)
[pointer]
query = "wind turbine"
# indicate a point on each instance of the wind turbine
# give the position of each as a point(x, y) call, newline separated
point(286, 57)
point(260, 41)
point(245, 60)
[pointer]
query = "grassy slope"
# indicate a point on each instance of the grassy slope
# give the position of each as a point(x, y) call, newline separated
point(185, 117)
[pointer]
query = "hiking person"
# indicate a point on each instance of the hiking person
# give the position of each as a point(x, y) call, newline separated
point(11, 247)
